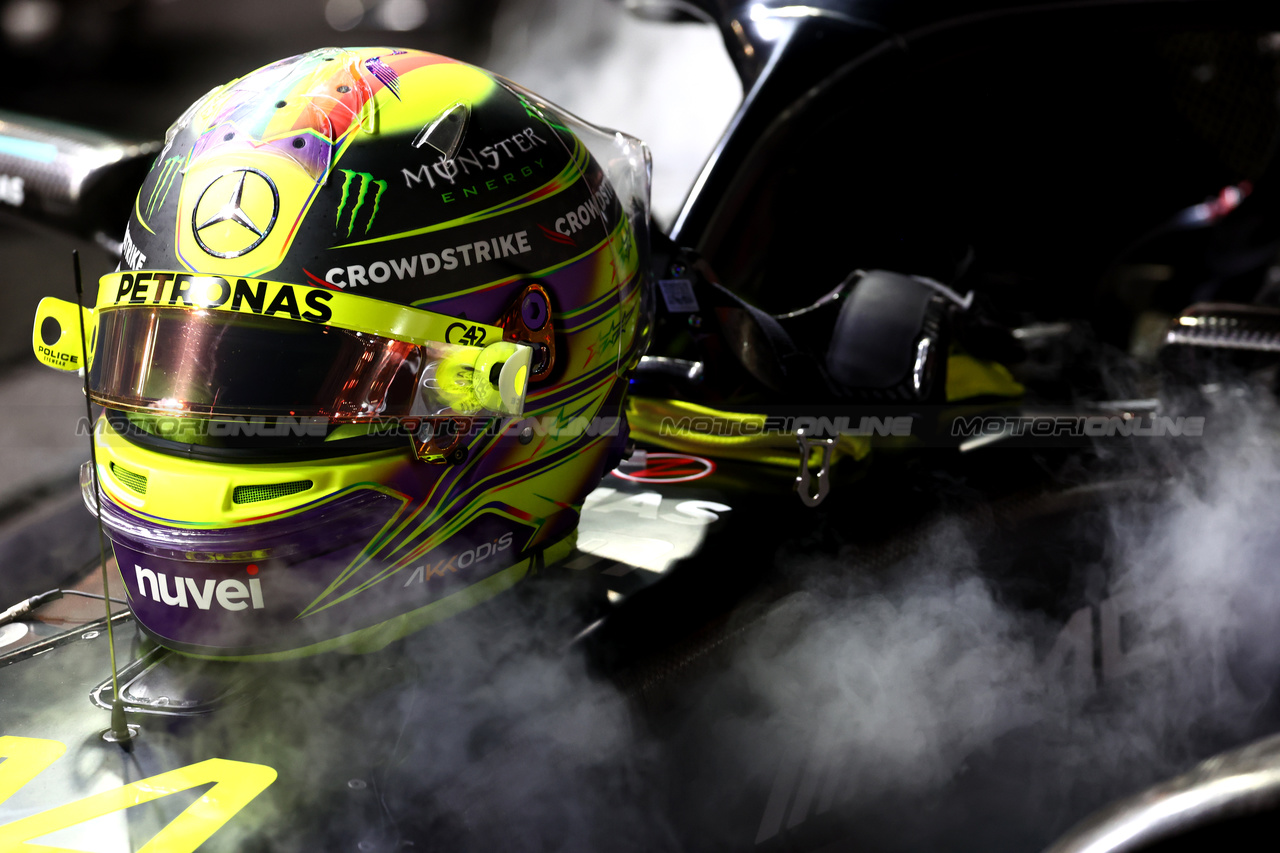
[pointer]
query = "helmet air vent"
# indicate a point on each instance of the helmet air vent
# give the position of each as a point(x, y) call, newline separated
point(445, 132)
point(266, 491)
point(131, 479)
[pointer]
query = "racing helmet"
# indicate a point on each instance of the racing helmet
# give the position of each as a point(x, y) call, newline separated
point(365, 354)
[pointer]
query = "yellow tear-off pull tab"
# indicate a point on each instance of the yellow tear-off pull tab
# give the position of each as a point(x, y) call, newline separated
point(502, 391)
point(475, 381)
point(55, 337)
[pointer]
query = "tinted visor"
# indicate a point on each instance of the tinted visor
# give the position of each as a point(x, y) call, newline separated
point(209, 363)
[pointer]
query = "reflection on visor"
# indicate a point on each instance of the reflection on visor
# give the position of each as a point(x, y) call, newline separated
point(179, 361)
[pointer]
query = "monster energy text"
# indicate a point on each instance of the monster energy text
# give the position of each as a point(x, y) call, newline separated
point(366, 181)
point(491, 158)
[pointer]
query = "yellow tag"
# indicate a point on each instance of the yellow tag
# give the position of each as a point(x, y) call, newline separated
point(55, 338)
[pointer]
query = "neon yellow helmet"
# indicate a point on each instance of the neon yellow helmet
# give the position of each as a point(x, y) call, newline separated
point(366, 353)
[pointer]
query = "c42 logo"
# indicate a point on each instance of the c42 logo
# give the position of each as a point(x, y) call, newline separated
point(462, 333)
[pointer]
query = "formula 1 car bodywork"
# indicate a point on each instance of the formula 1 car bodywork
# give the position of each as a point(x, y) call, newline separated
point(968, 633)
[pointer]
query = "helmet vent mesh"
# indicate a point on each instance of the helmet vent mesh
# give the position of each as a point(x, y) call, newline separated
point(131, 479)
point(268, 492)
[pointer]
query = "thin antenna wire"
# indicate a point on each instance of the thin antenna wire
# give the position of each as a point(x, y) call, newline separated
point(120, 731)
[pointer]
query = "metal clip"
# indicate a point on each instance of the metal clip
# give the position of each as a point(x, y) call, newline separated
point(803, 486)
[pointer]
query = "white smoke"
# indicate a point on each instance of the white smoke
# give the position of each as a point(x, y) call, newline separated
point(927, 687)
point(670, 84)
point(936, 698)
point(482, 733)
point(918, 695)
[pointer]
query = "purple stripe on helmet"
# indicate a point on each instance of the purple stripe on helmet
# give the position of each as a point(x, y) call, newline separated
point(355, 516)
point(323, 590)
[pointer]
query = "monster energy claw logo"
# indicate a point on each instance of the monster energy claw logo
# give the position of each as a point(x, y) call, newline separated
point(163, 183)
point(366, 180)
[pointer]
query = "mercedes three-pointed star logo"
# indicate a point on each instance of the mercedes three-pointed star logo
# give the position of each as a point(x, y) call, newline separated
point(226, 195)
